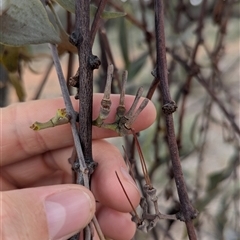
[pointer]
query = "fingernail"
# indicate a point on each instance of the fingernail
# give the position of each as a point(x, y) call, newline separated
point(128, 177)
point(67, 213)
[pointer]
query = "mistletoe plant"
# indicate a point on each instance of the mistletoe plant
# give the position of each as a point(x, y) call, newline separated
point(20, 25)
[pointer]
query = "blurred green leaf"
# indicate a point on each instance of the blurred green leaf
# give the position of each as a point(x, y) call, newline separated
point(213, 189)
point(194, 131)
point(107, 14)
point(26, 22)
point(17, 83)
point(11, 57)
point(210, 196)
point(217, 177)
point(123, 41)
point(69, 5)
point(110, 15)
point(221, 218)
point(137, 65)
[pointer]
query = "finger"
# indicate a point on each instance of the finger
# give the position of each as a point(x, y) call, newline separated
point(55, 212)
point(50, 168)
point(144, 120)
point(53, 168)
point(26, 142)
point(105, 185)
point(116, 225)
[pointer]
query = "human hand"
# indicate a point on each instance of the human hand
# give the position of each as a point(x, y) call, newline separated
point(38, 201)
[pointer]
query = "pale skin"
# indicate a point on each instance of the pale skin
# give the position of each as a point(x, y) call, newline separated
point(35, 165)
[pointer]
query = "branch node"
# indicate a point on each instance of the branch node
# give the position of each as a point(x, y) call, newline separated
point(94, 62)
point(91, 167)
point(169, 107)
point(154, 72)
point(192, 214)
point(73, 81)
point(142, 226)
point(76, 166)
point(75, 38)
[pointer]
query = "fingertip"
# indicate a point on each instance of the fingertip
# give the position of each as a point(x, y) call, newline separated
point(57, 209)
point(105, 184)
point(116, 225)
point(143, 121)
point(63, 210)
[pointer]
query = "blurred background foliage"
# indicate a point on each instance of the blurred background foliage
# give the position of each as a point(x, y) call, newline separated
point(202, 40)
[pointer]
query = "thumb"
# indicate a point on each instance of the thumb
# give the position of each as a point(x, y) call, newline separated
point(53, 212)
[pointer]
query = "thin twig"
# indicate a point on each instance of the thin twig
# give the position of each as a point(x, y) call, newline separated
point(135, 212)
point(107, 50)
point(69, 108)
point(97, 20)
point(70, 70)
point(219, 103)
point(142, 161)
point(204, 83)
point(148, 37)
point(187, 85)
point(44, 80)
point(98, 228)
point(131, 18)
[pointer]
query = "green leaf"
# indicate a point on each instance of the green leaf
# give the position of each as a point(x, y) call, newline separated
point(209, 197)
point(216, 178)
point(110, 15)
point(17, 83)
point(123, 40)
point(26, 22)
point(12, 57)
point(221, 218)
point(137, 65)
point(107, 14)
point(69, 5)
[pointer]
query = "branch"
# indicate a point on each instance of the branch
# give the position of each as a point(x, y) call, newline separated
point(227, 114)
point(80, 37)
point(187, 212)
point(187, 84)
point(131, 18)
point(96, 21)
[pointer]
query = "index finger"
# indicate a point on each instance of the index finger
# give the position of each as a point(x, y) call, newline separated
point(20, 142)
